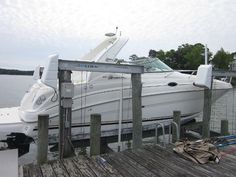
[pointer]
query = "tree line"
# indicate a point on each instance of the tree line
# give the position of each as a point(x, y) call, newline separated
point(189, 57)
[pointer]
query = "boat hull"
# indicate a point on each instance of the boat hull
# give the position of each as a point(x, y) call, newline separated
point(156, 108)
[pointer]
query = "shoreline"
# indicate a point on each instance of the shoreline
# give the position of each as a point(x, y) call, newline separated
point(15, 72)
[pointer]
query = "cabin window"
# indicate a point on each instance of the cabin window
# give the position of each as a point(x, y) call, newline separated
point(152, 64)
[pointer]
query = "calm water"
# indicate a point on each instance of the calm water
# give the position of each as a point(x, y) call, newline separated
point(13, 88)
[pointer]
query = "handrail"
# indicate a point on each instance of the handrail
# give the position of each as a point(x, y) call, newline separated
point(177, 130)
point(163, 132)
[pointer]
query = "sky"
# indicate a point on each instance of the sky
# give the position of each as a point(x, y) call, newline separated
point(30, 30)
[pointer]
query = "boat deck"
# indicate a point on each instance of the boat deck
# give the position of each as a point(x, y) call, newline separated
point(151, 160)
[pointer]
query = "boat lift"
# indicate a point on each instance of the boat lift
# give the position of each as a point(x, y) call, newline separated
point(62, 69)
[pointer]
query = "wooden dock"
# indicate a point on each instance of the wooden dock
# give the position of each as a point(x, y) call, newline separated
point(151, 160)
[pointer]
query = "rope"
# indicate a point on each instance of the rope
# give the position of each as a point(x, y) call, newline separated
point(55, 94)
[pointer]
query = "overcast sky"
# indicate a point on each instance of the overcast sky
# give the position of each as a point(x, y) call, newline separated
point(30, 30)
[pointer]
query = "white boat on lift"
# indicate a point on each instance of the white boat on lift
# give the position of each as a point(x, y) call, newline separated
point(163, 91)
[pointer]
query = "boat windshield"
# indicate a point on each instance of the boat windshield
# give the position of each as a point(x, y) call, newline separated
point(152, 64)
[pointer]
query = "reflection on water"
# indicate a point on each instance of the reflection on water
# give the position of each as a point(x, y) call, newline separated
point(13, 88)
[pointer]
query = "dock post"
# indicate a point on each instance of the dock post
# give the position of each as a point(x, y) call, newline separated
point(176, 119)
point(137, 110)
point(224, 129)
point(206, 113)
point(42, 151)
point(95, 134)
point(66, 92)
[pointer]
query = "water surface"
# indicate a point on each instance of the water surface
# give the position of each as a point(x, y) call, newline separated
point(13, 88)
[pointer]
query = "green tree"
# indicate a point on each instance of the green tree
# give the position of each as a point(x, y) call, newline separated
point(222, 59)
point(187, 56)
point(194, 57)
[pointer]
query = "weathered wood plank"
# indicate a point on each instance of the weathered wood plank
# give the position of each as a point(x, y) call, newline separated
point(171, 169)
point(128, 163)
point(208, 169)
point(34, 171)
point(137, 109)
point(25, 171)
point(149, 161)
point(123, 171)
point(225, 167)
point(72, 168)
point(42, 150)
point(98, 172)
point(146, 163)
point(100, 161)
point(47, 170)
point(59, 169)
point(170, 157)
point(196, 167)
point(136, 165)
point(95, 134)
point(83, 167)
point(96, 168)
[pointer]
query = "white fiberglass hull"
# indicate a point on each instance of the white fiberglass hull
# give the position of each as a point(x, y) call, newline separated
point(158, 104)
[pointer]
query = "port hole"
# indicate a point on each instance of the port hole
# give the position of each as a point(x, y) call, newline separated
point(172, 84)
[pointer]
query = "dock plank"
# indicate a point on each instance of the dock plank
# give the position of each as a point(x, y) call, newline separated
point(34, 171)
point(158, 163)
point(208, 169)
point(83, 167)
point(100, 161)
point(71, 168)
point(148, 161)
point(59, 169)
point(120, 167)
point(47, 170)
point(126, 162)
point(98, 169)
point(26, 171)
point(136, 165)
point(171, 157)
point(95, 168)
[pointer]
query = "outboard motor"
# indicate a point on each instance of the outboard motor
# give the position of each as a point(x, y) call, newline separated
point(18, 141)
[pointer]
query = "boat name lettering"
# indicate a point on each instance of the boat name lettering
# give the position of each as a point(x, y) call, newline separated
point(88, 66)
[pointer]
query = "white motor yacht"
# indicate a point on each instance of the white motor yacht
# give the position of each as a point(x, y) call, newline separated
point(163, 91)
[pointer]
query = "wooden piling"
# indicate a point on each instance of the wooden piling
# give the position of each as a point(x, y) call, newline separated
point(42, 151)
point(95, 134)
point(176, 119)
point(65, 144)
point(224, 129)
point(137, 110)
point(206, 113)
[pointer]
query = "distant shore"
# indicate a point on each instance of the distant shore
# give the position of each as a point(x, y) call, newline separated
point(15, 72)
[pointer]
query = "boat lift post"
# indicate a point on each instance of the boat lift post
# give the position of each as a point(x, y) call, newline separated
point(66, 93)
